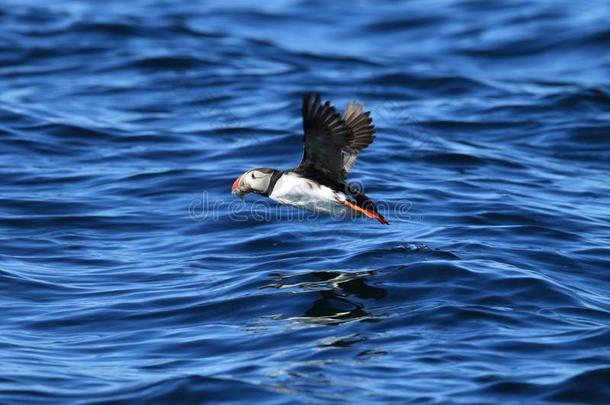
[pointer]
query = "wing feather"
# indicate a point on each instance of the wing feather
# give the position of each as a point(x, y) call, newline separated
point(331, 142)
point(362, 132)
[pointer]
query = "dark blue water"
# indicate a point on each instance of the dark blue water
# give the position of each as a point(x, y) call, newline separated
point(129, 273)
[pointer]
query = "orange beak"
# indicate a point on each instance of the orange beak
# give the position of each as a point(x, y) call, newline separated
point(236, 183)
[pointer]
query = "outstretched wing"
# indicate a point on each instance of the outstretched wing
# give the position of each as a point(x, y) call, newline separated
point(361, 133)
point(324, 136)
point(331, 143)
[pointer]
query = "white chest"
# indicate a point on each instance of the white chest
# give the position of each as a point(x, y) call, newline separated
point(297, 191)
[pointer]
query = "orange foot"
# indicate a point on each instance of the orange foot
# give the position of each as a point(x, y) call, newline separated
point(366, 212)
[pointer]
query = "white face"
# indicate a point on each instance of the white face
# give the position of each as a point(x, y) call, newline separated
point(255, 180)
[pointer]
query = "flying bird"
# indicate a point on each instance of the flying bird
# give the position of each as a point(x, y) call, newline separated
point(331, 144)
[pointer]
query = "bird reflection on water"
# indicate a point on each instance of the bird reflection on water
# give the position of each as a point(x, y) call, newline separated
point(343, 297)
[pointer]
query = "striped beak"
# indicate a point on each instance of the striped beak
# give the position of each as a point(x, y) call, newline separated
point(236, 183)
point(236, 189)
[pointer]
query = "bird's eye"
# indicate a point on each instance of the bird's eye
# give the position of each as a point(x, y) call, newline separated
point(252, 175)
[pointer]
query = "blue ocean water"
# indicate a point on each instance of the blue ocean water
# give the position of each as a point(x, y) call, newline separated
point(128, 272)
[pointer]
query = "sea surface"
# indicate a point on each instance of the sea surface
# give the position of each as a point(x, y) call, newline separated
point(130, 274)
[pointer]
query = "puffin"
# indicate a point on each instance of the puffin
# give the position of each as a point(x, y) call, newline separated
point(331, 144)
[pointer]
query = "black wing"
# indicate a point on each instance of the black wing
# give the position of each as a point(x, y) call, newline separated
point(331, 142)
point(324, 136)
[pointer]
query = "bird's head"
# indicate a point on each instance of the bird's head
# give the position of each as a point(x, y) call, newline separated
point(255, 180)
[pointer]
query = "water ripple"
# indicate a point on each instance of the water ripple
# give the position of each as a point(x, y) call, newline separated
point(130, 274)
